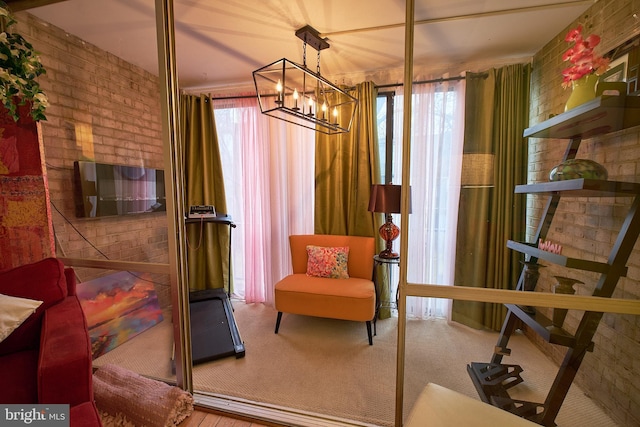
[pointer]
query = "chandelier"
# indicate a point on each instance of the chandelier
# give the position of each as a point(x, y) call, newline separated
point(296, 94)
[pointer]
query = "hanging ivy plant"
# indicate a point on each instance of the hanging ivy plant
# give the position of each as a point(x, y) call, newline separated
point(19, 68)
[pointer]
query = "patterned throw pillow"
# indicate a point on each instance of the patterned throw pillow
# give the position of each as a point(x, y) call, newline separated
point(327, 262)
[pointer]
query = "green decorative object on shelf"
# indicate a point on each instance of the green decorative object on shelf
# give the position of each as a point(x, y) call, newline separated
point(583, 90)
point(578, 168)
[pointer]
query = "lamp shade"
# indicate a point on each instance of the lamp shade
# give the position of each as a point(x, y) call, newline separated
point(385, 198)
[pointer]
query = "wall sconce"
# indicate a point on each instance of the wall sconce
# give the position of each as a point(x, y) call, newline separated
point(386, 199)
point(298, 95)
point(477, 170)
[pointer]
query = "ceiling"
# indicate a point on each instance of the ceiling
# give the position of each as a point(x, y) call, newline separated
point(220, 43)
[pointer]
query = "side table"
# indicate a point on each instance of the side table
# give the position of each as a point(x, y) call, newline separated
point(377, 261)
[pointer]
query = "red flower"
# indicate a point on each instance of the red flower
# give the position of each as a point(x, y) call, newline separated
point(582, 57)
point(592, 41)
point(574, 34)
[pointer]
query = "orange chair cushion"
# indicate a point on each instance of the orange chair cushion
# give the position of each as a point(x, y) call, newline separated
point(346, 299)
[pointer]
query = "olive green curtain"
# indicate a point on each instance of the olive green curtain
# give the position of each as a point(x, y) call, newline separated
point(496, 113)
point(346, 165)
point(208, 243)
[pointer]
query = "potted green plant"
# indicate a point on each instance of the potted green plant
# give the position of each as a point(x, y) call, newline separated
point(19, 68)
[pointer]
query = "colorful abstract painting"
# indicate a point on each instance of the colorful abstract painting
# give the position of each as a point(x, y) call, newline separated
point(118, 307)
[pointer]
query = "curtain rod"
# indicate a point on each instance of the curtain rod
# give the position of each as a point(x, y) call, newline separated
point(442, 79)
point(422, 82)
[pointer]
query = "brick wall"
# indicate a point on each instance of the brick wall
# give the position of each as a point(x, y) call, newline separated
point(587, 228)
point(105, 110)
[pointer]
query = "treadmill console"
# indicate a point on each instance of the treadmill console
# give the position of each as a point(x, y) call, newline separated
point(202, 211)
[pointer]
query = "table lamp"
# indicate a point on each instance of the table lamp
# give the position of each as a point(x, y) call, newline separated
point(386, 199)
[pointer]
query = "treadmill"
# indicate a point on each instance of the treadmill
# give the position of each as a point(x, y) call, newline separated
point(214, 333)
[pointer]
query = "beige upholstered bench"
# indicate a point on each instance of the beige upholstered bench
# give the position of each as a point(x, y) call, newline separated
point(438, 406)
point(352, 298)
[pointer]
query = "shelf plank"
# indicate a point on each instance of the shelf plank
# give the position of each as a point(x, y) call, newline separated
point(542, 325)
point(579, 264)
point(582, 188)
point(601, 115)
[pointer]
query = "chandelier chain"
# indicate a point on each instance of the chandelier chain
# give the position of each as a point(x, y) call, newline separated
point(304, 54)
point(318, 66)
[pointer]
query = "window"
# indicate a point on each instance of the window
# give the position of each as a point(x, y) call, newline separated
point(269, 191)
point(384, 117)
point(435, 162)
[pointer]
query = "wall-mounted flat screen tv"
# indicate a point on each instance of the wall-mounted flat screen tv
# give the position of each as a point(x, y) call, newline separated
point(107, 190)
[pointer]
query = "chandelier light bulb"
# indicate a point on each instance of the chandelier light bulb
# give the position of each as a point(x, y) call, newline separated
point(279, 89)
point(311, 106)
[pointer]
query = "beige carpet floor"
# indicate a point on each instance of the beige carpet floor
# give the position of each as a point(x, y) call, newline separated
point(326, 366)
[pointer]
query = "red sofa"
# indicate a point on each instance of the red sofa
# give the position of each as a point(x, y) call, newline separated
point(47, 359)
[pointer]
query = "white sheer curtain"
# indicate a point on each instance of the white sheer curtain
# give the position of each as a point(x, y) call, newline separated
point(436, 161)
point(269, 183)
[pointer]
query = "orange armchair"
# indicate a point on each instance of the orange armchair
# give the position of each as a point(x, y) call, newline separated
point(352, 298)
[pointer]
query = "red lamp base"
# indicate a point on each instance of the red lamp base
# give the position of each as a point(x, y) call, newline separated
point(388, 254)
point(389, 232)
